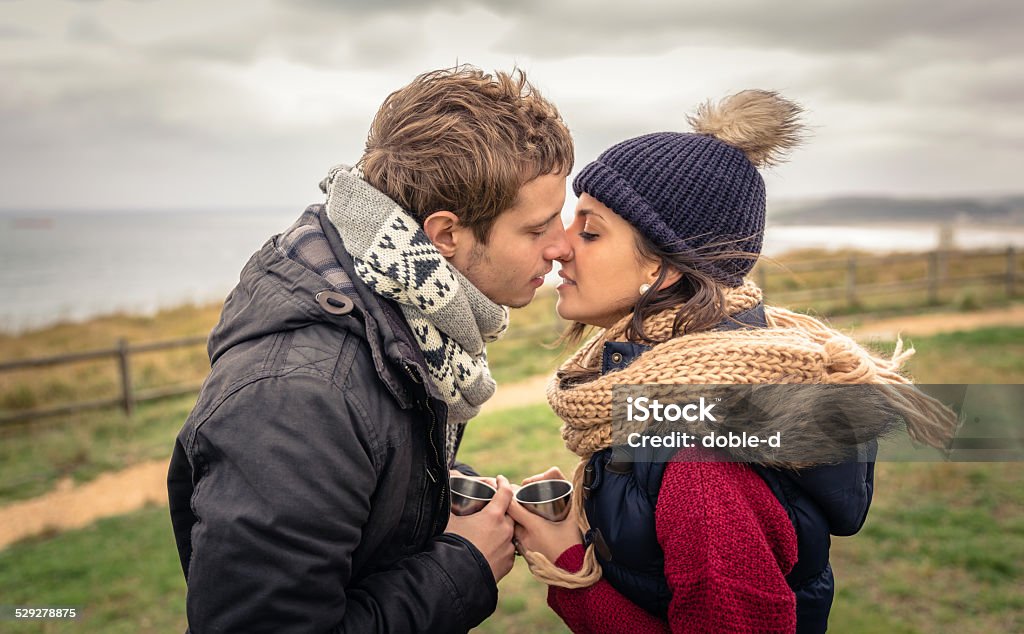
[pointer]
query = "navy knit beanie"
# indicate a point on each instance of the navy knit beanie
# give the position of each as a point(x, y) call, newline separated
point(700, 192)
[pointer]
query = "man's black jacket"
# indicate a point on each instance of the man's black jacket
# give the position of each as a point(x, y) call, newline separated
point(308, 487)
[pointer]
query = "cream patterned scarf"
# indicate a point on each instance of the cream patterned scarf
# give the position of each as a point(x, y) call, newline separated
point(450, 318)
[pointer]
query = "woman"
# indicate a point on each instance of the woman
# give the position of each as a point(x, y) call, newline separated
point(666, 229)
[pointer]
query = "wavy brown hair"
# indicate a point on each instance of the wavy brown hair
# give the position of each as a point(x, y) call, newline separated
point(464, 141)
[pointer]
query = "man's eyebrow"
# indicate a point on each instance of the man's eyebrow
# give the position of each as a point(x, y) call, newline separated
point(546, 221)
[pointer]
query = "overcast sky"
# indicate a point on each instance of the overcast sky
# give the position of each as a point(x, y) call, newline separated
point(211, 103)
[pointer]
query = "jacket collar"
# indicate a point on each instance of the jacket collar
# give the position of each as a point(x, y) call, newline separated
point(286, 286)
point(617, 355)
point(388, 335)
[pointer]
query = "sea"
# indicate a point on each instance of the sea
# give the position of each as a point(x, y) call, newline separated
point(72, 265)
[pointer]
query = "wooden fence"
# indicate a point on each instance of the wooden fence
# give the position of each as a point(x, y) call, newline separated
point(128, 397)
point(935, 280)
point(852, 288)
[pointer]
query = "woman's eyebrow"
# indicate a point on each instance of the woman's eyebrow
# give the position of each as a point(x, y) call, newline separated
point(590, 213)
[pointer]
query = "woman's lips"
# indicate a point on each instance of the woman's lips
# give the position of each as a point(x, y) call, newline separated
point(566, 281)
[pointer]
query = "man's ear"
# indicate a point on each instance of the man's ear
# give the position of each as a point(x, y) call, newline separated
point(444, 230)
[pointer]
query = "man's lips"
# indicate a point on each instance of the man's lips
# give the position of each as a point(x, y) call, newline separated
point(539, 279)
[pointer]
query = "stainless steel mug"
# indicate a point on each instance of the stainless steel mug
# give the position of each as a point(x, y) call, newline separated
point(469, 495)
point(548, 498)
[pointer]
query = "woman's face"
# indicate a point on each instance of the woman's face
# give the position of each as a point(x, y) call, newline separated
point(601, 283)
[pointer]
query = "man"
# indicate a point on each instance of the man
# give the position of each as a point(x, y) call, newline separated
point(308, 488)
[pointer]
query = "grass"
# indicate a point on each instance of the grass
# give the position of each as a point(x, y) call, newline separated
point(90, 380)
point(518, 356)
point(985, 355)
point(942, 551)
point(830, 272)
point(518, 443)
point(121, 573)
point(513, 358)
point(529, 349)
point(33, 458)
point(124, 571)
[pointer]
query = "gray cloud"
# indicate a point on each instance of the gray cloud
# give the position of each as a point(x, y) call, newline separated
point(407, 7)
point(11, 32)
point(905, 95)
point(86, 28)
point(645, 26)
point(325, 39)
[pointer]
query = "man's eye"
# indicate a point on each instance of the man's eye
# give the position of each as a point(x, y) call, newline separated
point(586, 235)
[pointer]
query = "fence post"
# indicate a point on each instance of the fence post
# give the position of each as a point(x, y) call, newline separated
point(933, 277)
point(126, 376)
point(851, 281)
point(1011, 271)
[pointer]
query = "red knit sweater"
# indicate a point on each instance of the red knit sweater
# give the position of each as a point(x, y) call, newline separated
point(728, 544)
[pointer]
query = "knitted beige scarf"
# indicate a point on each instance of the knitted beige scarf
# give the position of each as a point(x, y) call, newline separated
point(794, 348)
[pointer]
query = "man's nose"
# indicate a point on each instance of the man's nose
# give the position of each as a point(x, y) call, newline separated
point(559, 248)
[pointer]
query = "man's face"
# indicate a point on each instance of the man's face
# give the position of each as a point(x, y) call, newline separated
point(523, 243)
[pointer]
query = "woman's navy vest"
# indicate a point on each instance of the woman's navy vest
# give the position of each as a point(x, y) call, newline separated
point(621, 486)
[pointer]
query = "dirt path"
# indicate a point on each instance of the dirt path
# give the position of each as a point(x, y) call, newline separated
point(517, 394)
point(930, 324)
point(70, 506)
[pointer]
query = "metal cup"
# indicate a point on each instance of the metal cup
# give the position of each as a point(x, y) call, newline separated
point(469, 495)
point(548, 498)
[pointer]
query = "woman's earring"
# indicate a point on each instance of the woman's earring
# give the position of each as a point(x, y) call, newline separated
point(644, 288)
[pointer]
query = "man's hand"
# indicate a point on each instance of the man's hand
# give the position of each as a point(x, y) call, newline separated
point(455, 473)
point(490, 530)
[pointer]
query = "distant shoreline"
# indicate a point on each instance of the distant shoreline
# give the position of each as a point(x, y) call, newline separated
point(73, 266)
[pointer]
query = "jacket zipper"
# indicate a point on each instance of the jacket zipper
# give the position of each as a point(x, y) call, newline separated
point(425, 406)
point(437, 461)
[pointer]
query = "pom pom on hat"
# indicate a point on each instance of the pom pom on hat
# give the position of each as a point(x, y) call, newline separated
point(760, 123)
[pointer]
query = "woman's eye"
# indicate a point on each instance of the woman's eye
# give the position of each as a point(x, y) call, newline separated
point(586, 235)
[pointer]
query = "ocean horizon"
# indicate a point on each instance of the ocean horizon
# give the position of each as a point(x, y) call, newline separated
point(60, 266)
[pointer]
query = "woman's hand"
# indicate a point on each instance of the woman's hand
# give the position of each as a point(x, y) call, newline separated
point(534, 533)
point(554, 473)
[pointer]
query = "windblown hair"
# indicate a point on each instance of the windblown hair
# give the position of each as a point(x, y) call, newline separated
point(464, 141)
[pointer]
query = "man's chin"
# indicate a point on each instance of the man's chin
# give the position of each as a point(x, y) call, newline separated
point(520, 300)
